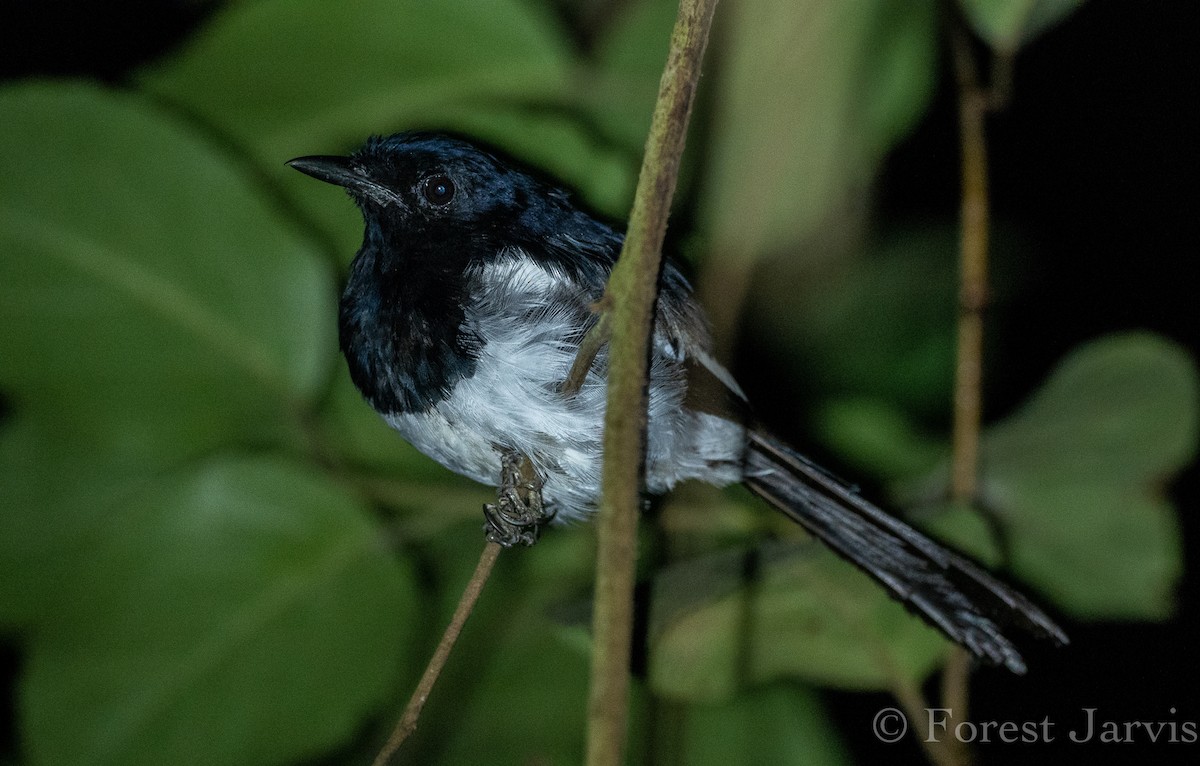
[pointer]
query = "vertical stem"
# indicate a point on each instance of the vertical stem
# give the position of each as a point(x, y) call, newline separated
point(972, 287)
point(955, 684)
point(939, 750)
point(974, 103)
point(630, 298)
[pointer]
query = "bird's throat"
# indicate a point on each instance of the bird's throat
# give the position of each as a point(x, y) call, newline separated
point(401, 333)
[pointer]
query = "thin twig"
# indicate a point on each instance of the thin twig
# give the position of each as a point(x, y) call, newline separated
point(632, 290)
point(1000, 88)
point(595, 340)
point(972, 288)
point(938, 749)
point(955, 677)
point(974, 103)
point(412, 711)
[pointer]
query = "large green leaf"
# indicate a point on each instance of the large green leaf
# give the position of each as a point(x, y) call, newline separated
point(1076, 480)
point(242, 612)
point(628, 65)
point(149, 295)
point(56, 490)
point(876, 439)
point(1077, 477)
point(735, 619)
point(287, 78)
point(883, 328)
point(281, 74)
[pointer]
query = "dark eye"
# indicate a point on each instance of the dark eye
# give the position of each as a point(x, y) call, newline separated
point(439, 189)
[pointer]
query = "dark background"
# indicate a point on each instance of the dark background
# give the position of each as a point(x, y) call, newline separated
point(1095, 159)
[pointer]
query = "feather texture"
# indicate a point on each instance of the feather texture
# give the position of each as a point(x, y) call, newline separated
point(463, 314)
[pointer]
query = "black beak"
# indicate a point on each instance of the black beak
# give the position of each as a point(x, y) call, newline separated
point(342, 171)
point(339, 171)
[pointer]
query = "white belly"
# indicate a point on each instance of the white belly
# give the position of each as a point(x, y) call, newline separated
point(512, 402)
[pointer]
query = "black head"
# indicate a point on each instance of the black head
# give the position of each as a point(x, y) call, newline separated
point(413, 174)
point(423, 181)
point(453, 196)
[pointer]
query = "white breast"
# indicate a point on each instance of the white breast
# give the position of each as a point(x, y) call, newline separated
point(528, 319)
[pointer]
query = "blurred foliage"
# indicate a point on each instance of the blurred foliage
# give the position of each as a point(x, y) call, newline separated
point(1075, 476)
point(200, 598)
point(1007, 25)
point(212, 552)
point(788, 166)
point(498, 71)
point(893, 311)
point(774, 724)
point(858, 74)
point(735, 619)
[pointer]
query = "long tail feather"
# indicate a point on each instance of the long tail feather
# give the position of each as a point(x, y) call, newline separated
point(951, 592)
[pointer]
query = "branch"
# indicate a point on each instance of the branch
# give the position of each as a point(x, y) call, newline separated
point(974, 103)
point(972, 287)
point(940, 752)
point(595, 339)
point(631, 293)
point(412, 711)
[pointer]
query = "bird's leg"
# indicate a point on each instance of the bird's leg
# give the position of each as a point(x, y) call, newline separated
point(517, 516)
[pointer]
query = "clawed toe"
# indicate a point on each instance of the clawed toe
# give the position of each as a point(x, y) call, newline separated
point(518, 515)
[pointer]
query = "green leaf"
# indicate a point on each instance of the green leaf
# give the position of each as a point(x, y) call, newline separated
point(56, 491)
point(243, 612)
point(809, 96)
point(882, 329)
point(1077, 477)
point(876, 438)
point(1008, 24)
point(282, 74)
point(149, 294)
point(286, 78)
point(626, 71)
point(782, 723)
point(726, 622)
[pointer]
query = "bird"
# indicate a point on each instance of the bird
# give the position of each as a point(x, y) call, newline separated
point(465, 308)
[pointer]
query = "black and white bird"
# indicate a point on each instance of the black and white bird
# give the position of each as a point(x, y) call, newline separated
point(461, 318)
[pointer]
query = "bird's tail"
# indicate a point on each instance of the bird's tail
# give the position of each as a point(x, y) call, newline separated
point(951, 592)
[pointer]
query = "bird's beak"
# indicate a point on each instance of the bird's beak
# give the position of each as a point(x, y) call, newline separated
point(339, 171)
point(342, 171)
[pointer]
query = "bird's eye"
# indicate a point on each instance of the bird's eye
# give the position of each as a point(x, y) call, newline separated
point(438, 189)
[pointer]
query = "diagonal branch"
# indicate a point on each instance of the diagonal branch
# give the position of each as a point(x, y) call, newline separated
point(412, 711)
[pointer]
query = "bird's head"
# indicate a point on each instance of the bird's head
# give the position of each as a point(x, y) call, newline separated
point(426, 182)
point(440, 203)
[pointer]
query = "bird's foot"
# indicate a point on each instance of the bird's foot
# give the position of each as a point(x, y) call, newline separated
point(517, 516)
